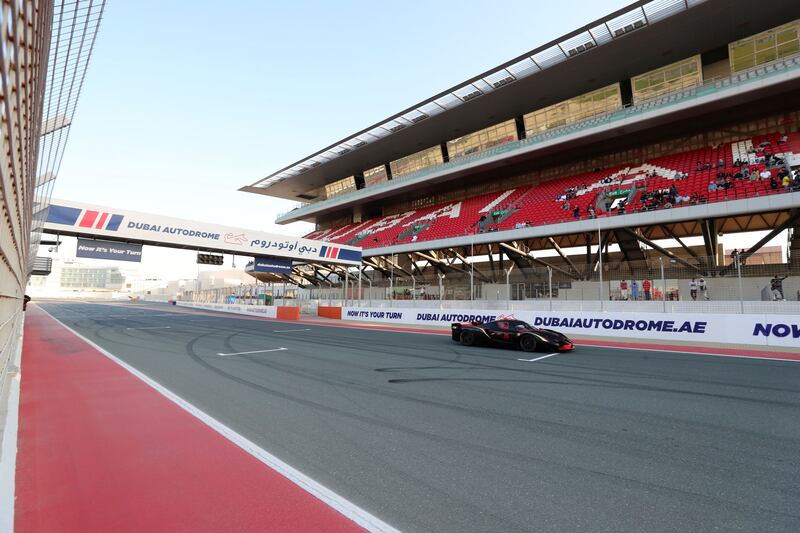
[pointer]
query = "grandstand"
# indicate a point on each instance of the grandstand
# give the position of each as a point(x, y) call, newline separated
point(665, 120)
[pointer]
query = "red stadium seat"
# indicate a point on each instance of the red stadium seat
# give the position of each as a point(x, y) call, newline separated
point(536, 205)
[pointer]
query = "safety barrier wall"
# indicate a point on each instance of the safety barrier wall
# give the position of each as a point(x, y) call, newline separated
point(288, 313)
point(748, 329)
point(334, 312)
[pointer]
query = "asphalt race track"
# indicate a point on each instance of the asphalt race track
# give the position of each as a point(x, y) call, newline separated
point(431, 436)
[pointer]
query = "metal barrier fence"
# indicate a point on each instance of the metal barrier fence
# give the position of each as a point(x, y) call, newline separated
point(662, 284)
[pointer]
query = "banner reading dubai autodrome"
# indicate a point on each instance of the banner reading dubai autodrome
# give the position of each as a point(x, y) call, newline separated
point(83, 220)
point(757, 329)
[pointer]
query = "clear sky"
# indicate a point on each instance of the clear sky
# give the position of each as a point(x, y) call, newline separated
point(185, 102)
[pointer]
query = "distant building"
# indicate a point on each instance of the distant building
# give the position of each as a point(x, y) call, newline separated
point(768, 255)
point(91, 278)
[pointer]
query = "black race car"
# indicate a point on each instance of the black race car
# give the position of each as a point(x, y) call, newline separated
point(510, 332)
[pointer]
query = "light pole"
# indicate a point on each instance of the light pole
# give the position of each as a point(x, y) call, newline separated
point(369, 300)
point(391, 281)
point(344, 287)
point(550, 284)
point(472, 269)
point(360, 294)
point(739, 275)
point(413, 288)
point(600, 263)
point(663, 285)
point(508, 288)
point(441, 290)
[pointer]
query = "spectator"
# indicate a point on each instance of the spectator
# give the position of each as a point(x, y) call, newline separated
point(765, 174)
point(721, 163)
point(576, 213)
point(783, 138)
point(712, 186)
point(701, 284)
point(786, 181)
point(773, 184)
point(776, 284)
point(693, 288)
point(623, 290)
point(634, 290)
point(592, 214)
point(25, 300)
point(414, 238)
point(746, 173)
point(646, 286)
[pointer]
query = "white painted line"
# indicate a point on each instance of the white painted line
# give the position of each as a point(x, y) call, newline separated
point(289, 330)
point(8, 445)
point(152, 327)
point(254, 351)
point(539, 358)
point(321, 492)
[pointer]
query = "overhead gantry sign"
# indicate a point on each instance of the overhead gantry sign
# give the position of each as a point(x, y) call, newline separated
point(83, 220)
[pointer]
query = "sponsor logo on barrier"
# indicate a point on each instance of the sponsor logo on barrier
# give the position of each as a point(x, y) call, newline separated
point(777, 330)
point(452, 317)
point(391, 315)
point(668, 326)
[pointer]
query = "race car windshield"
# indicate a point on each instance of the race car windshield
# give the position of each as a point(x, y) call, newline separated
point(522, 325)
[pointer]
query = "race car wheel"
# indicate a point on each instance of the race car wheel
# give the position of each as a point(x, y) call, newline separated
point(468, 338)
point(527, 343)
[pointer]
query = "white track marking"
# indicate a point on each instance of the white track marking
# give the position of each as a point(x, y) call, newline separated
point(254, 351)
point(153, 327)
point(321, 492)
point(539, 358)
point(289, 330)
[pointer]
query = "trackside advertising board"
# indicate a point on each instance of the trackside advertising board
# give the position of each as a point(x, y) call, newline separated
point(267, 311)
point(118, 251)
point(272, 264)
point(766, 330)
point(73, 218)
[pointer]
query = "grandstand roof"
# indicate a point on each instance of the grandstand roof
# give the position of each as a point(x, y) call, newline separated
point(587, 58)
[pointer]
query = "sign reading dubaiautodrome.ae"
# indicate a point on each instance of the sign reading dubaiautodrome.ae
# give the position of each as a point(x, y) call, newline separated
point(74, 218)
point(118, 251)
